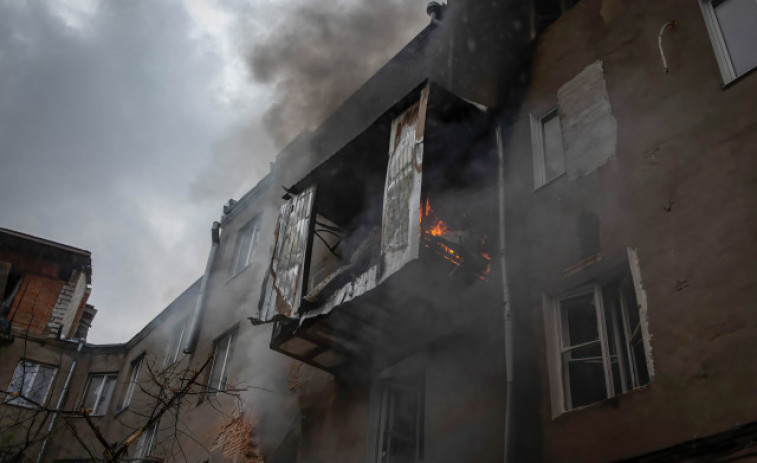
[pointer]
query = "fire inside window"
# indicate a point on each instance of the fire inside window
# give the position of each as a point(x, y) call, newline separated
point(452, 240)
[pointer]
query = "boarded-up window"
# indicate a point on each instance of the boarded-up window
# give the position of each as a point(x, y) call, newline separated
point(402, 189)
point(284, 284)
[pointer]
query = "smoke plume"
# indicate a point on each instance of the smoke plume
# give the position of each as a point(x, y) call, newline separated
point(322, 52)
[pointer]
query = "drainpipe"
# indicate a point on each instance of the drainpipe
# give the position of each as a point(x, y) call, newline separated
point(505, 301)
point(61, 399)
point(194, 326)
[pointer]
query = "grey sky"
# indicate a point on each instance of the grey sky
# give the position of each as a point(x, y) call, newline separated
point(125, 125)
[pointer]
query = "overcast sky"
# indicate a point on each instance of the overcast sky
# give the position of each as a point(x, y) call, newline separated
point(126, 124)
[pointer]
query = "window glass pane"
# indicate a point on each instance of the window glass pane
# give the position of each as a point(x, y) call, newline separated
point(41, 385)
point(738, 23)
point(579, 320)
point(400, 438)
point(93, 392)
point(554, 160)
point(245, 240)
point(585, 375)
point(107, 391)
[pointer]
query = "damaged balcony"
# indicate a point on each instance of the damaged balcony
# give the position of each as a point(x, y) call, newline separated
point(376, 255)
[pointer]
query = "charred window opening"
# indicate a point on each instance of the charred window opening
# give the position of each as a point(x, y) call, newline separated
point(401, 422)
point(602, 353)
point(346, 226)
point(455, 214)
point(11, 289)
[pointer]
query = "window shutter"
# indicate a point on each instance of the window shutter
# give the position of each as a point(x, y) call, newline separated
point(402, 189)
point(283, 287)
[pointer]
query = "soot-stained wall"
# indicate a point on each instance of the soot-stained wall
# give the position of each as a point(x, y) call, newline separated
point(677, 186)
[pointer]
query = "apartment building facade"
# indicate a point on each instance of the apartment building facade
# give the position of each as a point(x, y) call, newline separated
point(529, 237)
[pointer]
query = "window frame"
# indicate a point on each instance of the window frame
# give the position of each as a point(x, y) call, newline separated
point(134, 370)
point(418, 389)
point(18, 400)
point(537, 147)
point(717, 39)
point(252, 230)
point(211, 390)
point(98, 401)
point(172, 355)
point(146, 442)
point(626, 280)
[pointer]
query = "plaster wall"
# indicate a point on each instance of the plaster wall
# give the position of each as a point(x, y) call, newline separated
point(678, 189)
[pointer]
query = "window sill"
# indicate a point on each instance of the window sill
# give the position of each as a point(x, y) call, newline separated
point(611, 402)
point(120, 410)
point(728, 84)
point(241, 271)
point(550, 181)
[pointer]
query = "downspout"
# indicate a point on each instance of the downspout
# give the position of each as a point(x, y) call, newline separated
point(61, 399)
point(505, 301)
point(194, 325)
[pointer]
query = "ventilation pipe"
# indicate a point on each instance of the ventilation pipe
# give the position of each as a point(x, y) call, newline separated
point(194, 324)
point(507, 313)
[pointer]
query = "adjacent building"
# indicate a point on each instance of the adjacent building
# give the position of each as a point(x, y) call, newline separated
point(530, 236)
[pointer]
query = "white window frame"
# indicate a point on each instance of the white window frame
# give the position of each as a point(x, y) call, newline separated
point(103, 396)
point(174, 347)
point(723, 57)
point(537, 147)
point(146, 441)
point(26, 374)
point(221, 363)
point(559, 383)
point(131, 386)
point(251, 231)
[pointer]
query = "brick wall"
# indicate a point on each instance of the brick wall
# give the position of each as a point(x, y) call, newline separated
point(34, 304)
point(235, 442)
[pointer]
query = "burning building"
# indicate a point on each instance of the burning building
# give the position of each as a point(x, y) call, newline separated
point(530, 236)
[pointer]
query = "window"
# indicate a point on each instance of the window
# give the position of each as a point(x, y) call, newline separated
point(136, 365)
point(146, 441)
point(174, 347)
point(246, 241)
point(546, 139)
point(98, 392)
point(731, 25)
point(599, 348)
point(401, 423)
point(219, 373)
point(30, 381)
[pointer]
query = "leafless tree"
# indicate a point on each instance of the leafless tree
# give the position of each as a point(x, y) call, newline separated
point(165, 391)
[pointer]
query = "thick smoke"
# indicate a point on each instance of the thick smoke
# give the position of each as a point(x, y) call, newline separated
point(323, 51)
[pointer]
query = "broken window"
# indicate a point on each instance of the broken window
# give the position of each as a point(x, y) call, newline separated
point(247, 239)
point(401, 423)
point(599, 339)
point(98, 392)
point(731, 25)
point(30, 384)
point(547, 145)
point(219, 373)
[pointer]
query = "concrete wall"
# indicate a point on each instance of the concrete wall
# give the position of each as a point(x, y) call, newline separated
point(678, 187)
